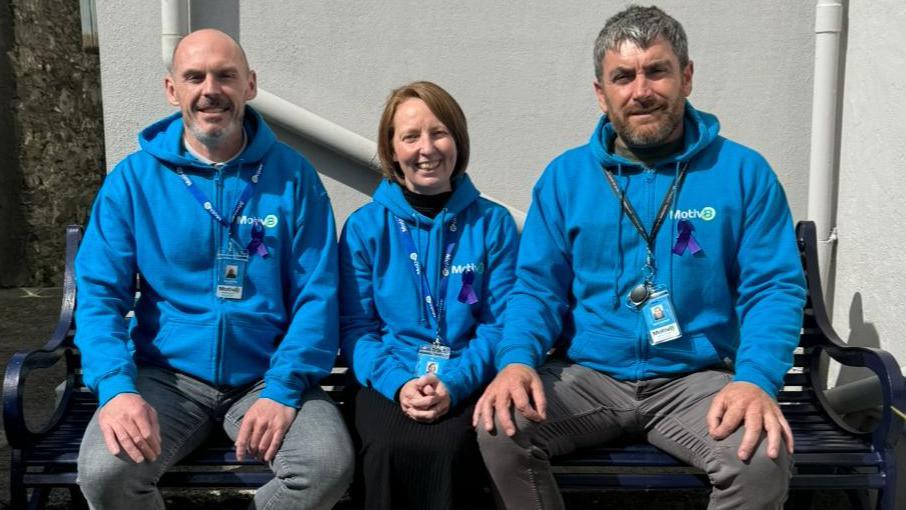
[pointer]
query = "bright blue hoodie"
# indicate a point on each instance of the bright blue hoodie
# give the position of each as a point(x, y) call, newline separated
point(739, 300)
point(146, 222)
point(383, 320)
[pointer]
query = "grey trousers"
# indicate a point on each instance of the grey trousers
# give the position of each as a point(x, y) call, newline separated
point(312, 469)
point(587, 408)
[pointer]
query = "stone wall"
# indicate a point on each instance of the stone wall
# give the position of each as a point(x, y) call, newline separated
point(59, 144)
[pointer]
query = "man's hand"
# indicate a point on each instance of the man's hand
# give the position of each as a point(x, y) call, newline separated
point(513, 385)
point(741, 402)
point(425, 399)
point(129, 424)
point(263, 428)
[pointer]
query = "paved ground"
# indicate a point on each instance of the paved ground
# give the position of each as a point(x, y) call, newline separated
point(27, 317)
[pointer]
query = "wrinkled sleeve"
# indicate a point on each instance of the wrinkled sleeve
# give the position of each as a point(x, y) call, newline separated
point(368, 357)
point(540, 297)
point(771, 287)
point(475, 365)
point(309, 348)
point(105, 281)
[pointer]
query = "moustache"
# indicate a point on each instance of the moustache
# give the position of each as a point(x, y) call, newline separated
point(221, 103)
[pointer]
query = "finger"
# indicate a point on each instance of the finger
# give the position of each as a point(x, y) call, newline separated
point(773, 433)
point(522, 404)
point(259, 428)
point(476, 413)
point(425, 402)
point(133, 428)
point(274, 446)
point(242, 439)
point(149, 444)
point(423, 415)
point(787, 433)
point(126, 443)
point(729, 422)
point(504, 416)
point(155, 432)
point(715, 414)
point(487, 412)
point(113, 446)
point(753, 428)
point(539, 398)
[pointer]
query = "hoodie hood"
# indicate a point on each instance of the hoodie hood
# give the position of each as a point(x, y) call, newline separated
point(699, 130)
point(390, 195)
point(163, 140)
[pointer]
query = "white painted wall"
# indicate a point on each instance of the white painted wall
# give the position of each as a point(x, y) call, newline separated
point(523, 71)
point(869, 302)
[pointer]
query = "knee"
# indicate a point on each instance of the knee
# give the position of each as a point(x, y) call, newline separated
point(764, 479)
point(500, 451)
point(101, 474)
point(328, 465)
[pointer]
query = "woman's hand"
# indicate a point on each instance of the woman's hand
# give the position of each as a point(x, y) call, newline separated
point(425, 399)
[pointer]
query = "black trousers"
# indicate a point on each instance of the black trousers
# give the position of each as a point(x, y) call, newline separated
point(403, 464)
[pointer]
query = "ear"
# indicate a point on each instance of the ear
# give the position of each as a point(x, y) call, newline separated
point(253, 86)
point(170, 90)
point(687, 79)
point(599, 93)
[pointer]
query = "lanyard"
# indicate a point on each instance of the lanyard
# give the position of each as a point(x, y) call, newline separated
point(436, 306)
point(209, 207)
point(658, 220)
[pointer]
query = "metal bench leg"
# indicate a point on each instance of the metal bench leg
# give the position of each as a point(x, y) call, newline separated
point(799, 500)
point(77, 500)
point(17, 493)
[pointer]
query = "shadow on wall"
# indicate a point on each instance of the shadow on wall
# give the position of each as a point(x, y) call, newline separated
point(861, 334)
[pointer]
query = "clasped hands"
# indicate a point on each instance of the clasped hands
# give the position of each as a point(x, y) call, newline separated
point(424, 399)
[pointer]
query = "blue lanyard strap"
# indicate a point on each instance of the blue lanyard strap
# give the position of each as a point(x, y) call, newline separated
point(436, 305)
point(209, 207)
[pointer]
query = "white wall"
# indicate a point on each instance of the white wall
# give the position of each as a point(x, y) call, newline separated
point(521, 70)
point(869, 302)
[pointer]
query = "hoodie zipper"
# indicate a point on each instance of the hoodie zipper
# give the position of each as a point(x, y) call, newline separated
point(218, 346)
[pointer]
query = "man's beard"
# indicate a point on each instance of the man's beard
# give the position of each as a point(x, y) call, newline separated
point(212, 139)
point(645, 136)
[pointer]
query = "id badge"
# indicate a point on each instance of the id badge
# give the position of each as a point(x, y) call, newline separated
point(431, 359)
point(231, 273)
point(660, 318)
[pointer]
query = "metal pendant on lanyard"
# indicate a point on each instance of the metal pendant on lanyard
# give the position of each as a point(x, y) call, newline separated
point(639, 294)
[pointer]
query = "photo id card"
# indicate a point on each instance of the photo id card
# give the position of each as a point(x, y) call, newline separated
point(431, 359)
point(660, 318)
point(231, 273)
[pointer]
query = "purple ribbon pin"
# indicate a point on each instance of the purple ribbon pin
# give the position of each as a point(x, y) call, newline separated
point(685, 239)
point(256, 245)
point(467, 293)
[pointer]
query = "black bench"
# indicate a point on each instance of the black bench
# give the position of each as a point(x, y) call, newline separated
point(829, 453)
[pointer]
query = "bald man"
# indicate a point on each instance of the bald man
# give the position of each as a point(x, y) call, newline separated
point(232, 237)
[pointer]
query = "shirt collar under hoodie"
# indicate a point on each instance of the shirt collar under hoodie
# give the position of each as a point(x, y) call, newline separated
point(164, 140)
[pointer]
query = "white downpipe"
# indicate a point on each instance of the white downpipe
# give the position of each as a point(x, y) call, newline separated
point(828, 31)
point(175, 24)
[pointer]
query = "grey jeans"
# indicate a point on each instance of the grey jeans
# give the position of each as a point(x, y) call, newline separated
point(587, 408)
point(312, 469)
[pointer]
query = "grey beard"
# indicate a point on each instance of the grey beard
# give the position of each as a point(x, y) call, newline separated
point(213, 140)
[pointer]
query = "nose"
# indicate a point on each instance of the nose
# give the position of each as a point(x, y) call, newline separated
point(426, 144)
point(641, 88)
point(211, 85)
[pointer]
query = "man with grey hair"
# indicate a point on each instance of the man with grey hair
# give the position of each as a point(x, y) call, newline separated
point(232, 237)
point(659, 291)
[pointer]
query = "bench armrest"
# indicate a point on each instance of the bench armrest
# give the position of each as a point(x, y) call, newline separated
point(819, 335)
point(58, 347)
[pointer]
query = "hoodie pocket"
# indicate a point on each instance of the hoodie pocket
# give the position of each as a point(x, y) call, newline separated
point(247, 349)
point(183, 344)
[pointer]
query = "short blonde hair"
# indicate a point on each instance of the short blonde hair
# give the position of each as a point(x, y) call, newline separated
point(442, 105)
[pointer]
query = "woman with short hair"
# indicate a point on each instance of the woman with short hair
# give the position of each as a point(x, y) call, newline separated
point(425, 270)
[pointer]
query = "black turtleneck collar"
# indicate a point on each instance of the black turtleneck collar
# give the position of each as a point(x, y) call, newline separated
point(429, 205)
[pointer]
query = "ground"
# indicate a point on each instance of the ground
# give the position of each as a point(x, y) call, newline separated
point(28, 316)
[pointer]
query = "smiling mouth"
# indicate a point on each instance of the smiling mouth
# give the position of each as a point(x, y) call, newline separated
point(427, 165)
